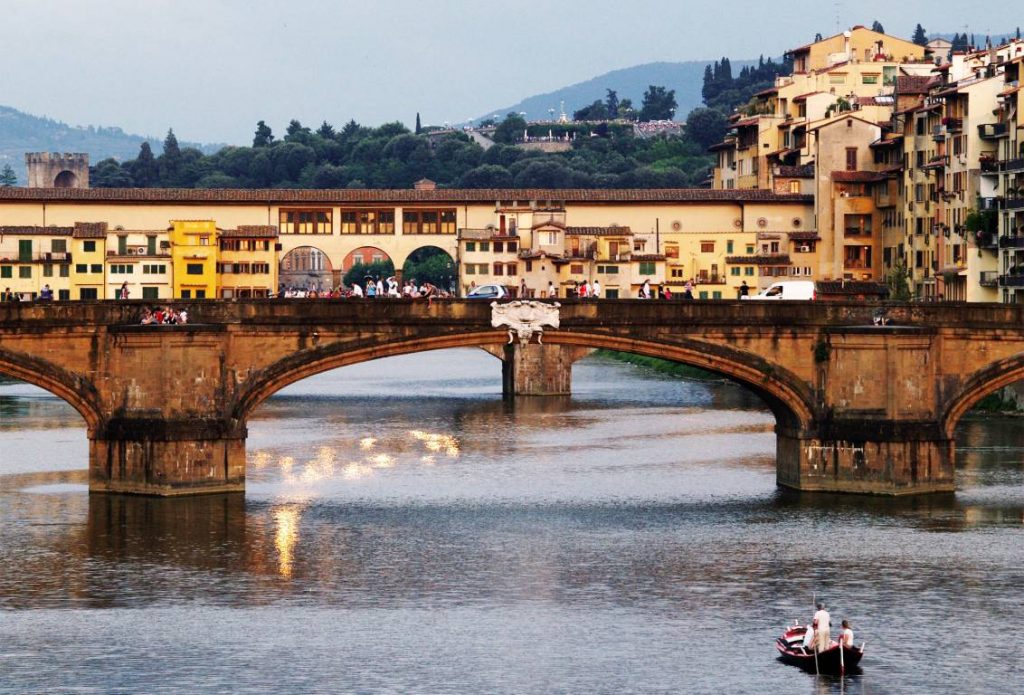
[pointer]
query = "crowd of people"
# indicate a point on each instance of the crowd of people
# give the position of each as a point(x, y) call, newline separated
point(164, 316)
point(371, 288)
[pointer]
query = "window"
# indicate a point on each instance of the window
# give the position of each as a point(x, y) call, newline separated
point(305, 221)
point(512, 268)
point(728, 246)
point(65, 271)
point(25, 271)
point(548, 238)
point(122, 245)
point(499, 247)
point(87, 293)
point(512, 246)
point(750, 249)
point(5, 271)
point(671, 250)
point(676, 273)
point(837, 78)
point(150, 293)
point(608, 269)
point(529, 266)
point(48, 270)
point(869, 79)
point(428, 221)
point(576, 268)
point(703, 294)
point(707, 247)
point(59, 245)
point(734, 271)
point(96, 268)
point(150, 245)
point(200, 294)
point(89, 246)
point(499, 269)
point(186, 294)
point(851, 158)
point(157, 269)
point(79, 268)
point(63, 295)
point(794, 186)
point(194, 269)
point(485, 246)
point(716, 295)
point(647, 267)
point(748, 270)
point(470, 246)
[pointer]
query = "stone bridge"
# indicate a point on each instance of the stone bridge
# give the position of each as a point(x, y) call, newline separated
point(858, 407)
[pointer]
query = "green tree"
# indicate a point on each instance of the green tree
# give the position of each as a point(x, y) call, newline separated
point(511, 130)
point(360, 271)
point(326, 131)
point(264, 136)
point(706, 127)
point(597, 111)
point(419, 126)
point(170, 161)
point(877, 26)
point(920, 37)
point(430, 264)
point(659, 104)
point(144, 170)
point(7, 177)
point(898, 282)
point(109, 174)
point(486, 176)
point(611, 102)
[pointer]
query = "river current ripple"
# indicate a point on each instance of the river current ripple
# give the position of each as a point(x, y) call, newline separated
point(404, 530)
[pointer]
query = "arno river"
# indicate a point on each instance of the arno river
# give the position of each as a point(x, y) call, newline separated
point(405, 531)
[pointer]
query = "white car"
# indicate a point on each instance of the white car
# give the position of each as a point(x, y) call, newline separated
point(787, 289)
point(488, 292)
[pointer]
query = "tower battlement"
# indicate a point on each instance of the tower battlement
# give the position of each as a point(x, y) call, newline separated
point(57, 169)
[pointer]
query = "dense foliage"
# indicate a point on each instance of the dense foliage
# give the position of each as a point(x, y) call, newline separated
point(390, 156)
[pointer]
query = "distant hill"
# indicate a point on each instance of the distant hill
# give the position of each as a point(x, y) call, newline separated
point(21, 132)
point(685, 78)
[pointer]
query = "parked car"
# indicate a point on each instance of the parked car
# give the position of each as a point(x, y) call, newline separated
point(787, 289)
point(488, 292)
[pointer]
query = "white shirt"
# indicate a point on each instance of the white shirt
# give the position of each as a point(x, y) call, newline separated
point(824, 619)
point(846, 638)
point(809, 637)
point(357, 291)
point(595, 289)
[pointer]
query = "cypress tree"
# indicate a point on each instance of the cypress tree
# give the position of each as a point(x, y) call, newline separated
point(419, 128)
point(920, 36)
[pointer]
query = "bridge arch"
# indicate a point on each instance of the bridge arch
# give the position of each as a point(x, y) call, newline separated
point(79, 393)
point(789, 399)
point(432, 264)
point(305, 267)
point(980, 384)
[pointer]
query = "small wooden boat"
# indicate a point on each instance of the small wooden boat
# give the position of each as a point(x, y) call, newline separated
point(835, 660)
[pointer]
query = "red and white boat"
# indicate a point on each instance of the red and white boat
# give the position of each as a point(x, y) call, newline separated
point(835, 660)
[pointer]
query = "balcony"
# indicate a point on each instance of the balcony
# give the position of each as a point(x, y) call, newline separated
point(953, 125)
point(989, 166)
point(856, 264)
point(989, 278)
point(992, 131)
point(1011, 281)
point(711, 279)
point(1013, 204)
point(40, 257)
point(988, 203)
point(1012, 165)
point(1011, 242)
point(857, 232)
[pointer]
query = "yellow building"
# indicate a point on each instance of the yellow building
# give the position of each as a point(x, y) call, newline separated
point(194, 257)
point(248, 262)
point(32, 258)
point(139, 260)
point(88, 260)
point(859, 44)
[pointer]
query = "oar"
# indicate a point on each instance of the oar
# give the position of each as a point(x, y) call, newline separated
point(842, 648)
point(814, 644)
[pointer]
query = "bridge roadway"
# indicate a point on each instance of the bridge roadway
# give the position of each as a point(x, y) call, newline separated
point(859, 408)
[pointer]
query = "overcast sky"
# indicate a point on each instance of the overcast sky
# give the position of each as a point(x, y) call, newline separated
point(211, 68)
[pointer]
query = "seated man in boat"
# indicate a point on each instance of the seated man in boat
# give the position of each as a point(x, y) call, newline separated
point(846, 635)
point(809, 638)
point(822, 623)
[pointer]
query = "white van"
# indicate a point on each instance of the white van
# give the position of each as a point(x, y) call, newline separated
point(787, 289)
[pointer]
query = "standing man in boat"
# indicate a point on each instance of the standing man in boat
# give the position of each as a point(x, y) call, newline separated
point(822, 633)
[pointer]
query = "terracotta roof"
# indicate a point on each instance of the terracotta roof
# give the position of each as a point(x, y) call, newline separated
point(795, 172)
point(647, 257)
point(727, 145)
point(41, 231)
point(803, 97)
point(599, 231)
point(742, 123)
point(887, 142)
point(90, 230)
point(857, 176)
point(804, 236)
point(260, 231)
point(912, 84)
point(340, 196)
point(766, 92)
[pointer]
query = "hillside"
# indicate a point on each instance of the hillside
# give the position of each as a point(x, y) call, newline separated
point(686, 78)
point(21, 132)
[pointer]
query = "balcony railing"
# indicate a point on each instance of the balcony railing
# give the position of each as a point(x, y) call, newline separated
point(856, 264)
point(989, 166)
point(1013, 164)
point(857, 232)
point(989, 278)
point(1011, 280)
point(1013, 204)
point(1011, 242)
point(953, 125)
point(38, 257)
point(992, 131)
point(711, 280)
point(988, 203)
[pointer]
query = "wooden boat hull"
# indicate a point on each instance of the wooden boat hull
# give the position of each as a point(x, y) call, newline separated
point(791, 652)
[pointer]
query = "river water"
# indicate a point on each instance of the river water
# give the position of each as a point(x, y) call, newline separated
point(404, 530)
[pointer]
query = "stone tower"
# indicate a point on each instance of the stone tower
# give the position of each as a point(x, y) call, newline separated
point(57, 170)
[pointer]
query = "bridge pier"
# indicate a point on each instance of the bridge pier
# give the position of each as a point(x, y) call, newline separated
point(878, 458)
point(167, 457)
point(538, 370)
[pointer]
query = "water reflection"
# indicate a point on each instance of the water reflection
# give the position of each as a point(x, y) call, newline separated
point(581, 544)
